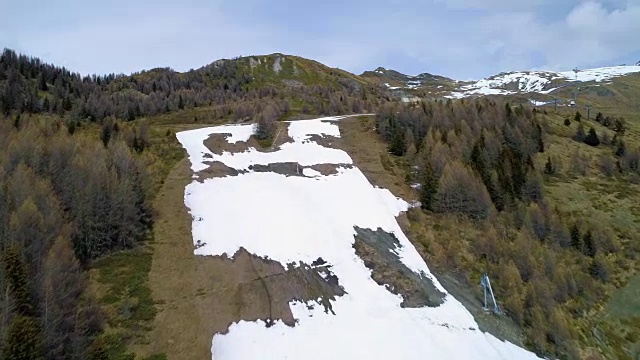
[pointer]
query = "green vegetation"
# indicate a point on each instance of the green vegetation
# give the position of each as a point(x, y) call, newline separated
point(560, 235)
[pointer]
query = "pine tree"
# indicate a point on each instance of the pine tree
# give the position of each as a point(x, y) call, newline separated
point(42, 83)
point(428, 188)
point(23, 340)
point(598, 269)
point(105, 132)
point(16, 122)
point(592, 138)
point(576, 239)
point(539, 140)
point(580, 134)
point(180, 102)
point(578, 116)
point(567, 122)
point(71, 127)
point(619, 126)
point(599, 117)
point(589, 248)
point(17, 276)
point(621, 149)
point(549, 169)
point(398, 144)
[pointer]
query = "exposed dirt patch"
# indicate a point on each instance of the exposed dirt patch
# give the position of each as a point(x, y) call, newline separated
point(324, 140)
point(295, 169)
point(218, 143)
point(377, 250)
point(329, 169)
point(285, 168)
point(217, 169)
point(198, 296)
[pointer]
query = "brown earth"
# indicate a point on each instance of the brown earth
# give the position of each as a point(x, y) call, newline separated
point(217, 169)
point(376, 249)
point(198, 296)
point(218, 143)
point(329, 169)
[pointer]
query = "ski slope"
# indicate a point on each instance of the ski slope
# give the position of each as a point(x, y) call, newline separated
point(301, 218)
point(538, 81)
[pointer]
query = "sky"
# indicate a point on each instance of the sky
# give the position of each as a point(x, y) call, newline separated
point(461, 39)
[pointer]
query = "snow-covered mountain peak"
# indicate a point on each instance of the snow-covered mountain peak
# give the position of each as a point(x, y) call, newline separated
point(542, 82)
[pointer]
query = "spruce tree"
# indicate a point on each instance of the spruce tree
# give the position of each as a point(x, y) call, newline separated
point(105, 132)
point(567, 122)
point(428, 188)
point(23, 340)
point(592, 138)
point(576, 239)
point(580, 135)
point(549, 169)
point(621, 149)
point(18, 281)
point(16, 122)
point(539, 140)
point(599, 117)
point(398, 144)
point(578, 116)
point(589, 248)
point(180, 103)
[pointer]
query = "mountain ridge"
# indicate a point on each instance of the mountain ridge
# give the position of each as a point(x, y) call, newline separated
point(503, 83)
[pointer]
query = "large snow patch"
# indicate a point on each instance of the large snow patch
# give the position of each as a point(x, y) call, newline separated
point(302, 218)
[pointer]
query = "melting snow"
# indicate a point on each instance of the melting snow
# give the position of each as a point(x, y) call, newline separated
point(600, 74)
point(538, 103)
point(538, 81)
point(302, 218)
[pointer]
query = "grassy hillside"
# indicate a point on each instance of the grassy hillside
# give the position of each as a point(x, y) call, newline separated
point(282, 70)
point(584, 187)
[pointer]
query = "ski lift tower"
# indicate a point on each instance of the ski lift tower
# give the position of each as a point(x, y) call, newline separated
point(576, 71)
point(486, 286)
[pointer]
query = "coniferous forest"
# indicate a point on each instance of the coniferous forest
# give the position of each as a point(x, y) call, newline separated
point(475, 159)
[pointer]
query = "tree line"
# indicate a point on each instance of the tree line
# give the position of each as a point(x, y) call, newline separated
point(65, 199)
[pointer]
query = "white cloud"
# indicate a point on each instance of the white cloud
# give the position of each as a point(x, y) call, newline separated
point(456, 38)
point(591, 34)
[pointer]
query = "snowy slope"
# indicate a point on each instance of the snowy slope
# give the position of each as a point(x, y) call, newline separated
point(296, 218)
point(538, 81)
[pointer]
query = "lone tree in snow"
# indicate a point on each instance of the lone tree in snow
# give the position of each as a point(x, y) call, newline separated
point(266, 125)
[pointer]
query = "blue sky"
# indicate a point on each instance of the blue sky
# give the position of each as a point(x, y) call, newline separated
point(462, 39)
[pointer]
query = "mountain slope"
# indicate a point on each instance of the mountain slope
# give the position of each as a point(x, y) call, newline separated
point(541, 85)
point(393, 79)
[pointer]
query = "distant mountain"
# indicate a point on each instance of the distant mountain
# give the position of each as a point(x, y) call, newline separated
point(536, 83)
point(395, 80)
